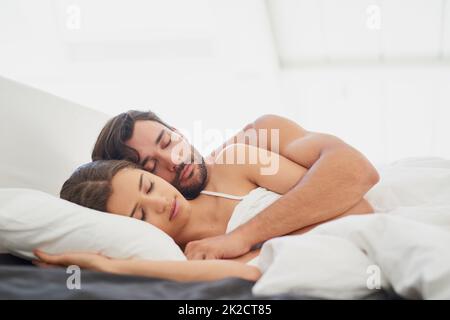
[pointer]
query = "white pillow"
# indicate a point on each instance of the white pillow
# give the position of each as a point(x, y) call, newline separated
point(31, 219)
point(44, 137)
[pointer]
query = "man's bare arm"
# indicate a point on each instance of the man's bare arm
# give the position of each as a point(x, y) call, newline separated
point(338, 178)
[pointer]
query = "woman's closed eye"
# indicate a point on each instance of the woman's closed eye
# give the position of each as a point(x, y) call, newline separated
point(149, 189)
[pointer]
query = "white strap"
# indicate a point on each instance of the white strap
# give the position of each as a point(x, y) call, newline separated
point(223, 195)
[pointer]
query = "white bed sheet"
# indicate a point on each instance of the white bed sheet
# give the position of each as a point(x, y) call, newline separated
point(404, 247)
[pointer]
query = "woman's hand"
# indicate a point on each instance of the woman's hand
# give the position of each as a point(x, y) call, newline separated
point(90, 261)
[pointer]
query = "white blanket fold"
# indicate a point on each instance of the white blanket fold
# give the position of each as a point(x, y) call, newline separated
point(405, 248)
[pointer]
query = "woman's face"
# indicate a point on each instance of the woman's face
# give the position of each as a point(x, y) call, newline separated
point(144, 196)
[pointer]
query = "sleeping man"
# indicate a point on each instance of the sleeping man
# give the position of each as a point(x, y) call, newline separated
point(336, 176)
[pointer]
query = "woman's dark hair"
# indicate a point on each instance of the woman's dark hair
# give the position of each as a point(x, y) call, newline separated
point(90, 185)
point(111, 141)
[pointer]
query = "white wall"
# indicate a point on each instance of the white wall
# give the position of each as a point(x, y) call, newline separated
point(375, 72)
point(386, 112)
point(186, 60)
point(380, 82)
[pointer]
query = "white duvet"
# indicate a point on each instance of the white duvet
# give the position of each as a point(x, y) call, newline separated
point(404, 247)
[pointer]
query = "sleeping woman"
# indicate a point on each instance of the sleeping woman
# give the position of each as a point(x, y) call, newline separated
point(123, 188)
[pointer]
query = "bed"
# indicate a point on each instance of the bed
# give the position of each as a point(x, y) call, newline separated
point(50, 136)
point(19, 279)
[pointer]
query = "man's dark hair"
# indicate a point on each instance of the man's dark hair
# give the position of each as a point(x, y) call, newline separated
point(111, 142)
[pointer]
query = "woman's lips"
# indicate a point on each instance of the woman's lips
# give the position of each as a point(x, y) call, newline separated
point(175, 209)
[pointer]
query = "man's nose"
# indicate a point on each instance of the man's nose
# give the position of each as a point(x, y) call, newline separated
point(172, 161)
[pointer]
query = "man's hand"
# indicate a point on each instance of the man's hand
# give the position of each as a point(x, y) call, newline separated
point(225, 246)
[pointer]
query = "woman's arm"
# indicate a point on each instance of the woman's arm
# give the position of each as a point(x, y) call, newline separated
point(207, 270)
point(192, 270)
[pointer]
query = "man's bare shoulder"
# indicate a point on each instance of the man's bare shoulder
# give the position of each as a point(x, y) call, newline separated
point(285, 130)
point(273, 121)
point(281, 128)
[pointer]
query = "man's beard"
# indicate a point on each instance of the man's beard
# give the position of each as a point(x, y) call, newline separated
point(196, 185)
